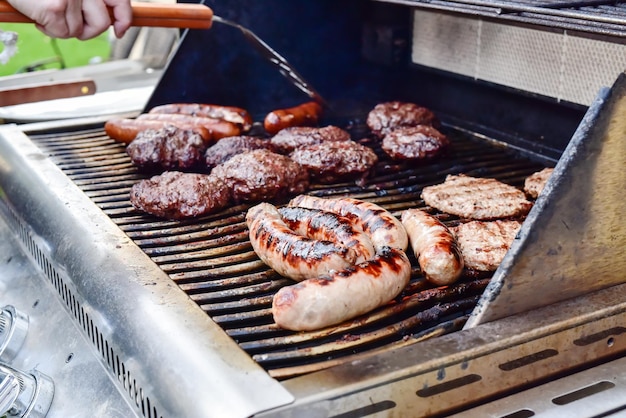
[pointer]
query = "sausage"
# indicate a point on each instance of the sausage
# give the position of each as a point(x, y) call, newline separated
point(328, 226)
point(435, 247)
point(384, 229)
point(232, 114)
point(217, 128)
point(288, 253)
point(305, 114)
point(328, 300)
point(125, 130)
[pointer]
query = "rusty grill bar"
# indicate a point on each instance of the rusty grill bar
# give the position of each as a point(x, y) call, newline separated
point(212, 261)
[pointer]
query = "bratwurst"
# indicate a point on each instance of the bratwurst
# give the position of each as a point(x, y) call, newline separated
point(435, 247)
point(384, 229)
point(331, 299)
point(290, 254)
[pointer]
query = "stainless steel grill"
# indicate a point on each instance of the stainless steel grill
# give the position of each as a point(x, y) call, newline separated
point(212, 261)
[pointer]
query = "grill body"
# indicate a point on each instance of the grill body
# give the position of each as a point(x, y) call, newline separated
point(179, 312)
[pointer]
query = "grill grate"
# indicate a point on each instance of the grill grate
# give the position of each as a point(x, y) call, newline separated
point(212, 260)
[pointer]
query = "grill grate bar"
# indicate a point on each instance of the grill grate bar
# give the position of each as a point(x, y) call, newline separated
point(211, 258)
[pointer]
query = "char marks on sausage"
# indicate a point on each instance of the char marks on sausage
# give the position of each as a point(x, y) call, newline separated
point(434, 246)
point(476, 198)
point(383, 228)
point(328, 226)
point(329, 300)
point(290, 254)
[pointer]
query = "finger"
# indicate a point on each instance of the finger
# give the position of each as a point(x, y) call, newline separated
point(96, 19)
point(122, 15)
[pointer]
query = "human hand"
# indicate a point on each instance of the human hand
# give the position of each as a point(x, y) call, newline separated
point(81, 19)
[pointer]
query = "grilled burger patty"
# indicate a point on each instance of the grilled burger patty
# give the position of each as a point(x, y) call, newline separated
point(177, 195)
point(484, 244)
point(331, 161)
point(534, 184)
point(385, 117)
point(226, 148)
point(260, 175)
point(289, 139)
point(168, 148)
point(414, 143)
point(476, 198)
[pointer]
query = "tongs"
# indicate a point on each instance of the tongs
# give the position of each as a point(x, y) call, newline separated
point(190, 16)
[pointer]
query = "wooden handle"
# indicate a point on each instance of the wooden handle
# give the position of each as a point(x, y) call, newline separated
point(183, 15)
point(46, 91)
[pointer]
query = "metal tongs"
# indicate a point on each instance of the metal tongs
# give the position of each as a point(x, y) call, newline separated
point(191, 16)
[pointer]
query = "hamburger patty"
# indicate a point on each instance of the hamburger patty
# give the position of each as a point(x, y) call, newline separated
point(169, 148)
point(288, 139)
point(414, 143)
point(534, 184)
point(260, 175)
point(331, 161)
point(385, 117)
point(176, 195)
point(476, 198)
point(228, 147)
point(484, 244)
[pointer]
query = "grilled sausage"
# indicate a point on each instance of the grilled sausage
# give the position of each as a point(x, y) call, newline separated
point(125, 130)
point(305, 114)
point(342, 295)
point(236, 115)
point(288, 253)
point(217, 128)
point(435, 247)
point(384, 229)
point(328, 226)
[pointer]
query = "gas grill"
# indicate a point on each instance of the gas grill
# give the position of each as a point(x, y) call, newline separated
point(173, 318)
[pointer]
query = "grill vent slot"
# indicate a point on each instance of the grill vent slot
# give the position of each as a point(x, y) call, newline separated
point(135, 392)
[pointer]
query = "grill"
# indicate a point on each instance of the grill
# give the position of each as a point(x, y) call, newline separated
point(179, 312)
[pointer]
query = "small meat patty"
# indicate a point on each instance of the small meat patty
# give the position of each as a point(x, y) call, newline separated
point(534, 184)
point(484, 244)
point(332, 161)
point(388, 116)
point(177, 195)
point(476, 198)
point(414, 143)
point(261, 175)
point(169, 148)
point(228, 147)
point(288, 139)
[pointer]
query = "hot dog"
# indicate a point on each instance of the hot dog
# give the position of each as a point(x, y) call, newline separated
point(435, 247)
point(231, 114)
point(384, 229)
point(288, 253)
point(125, 130)
point(321, 225)
point(331, 299)
point(217, 128)
point(305, 114)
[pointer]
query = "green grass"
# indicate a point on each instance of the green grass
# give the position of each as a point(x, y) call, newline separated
point(34, 47)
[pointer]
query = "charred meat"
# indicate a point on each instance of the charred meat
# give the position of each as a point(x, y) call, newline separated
point(332, 161)
point(289, 139)
point(226, 148)
point(177, 195)
point(534, 184)
point(414, 143)
point(484, 244)
point(388, 116)
point(261, 174)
